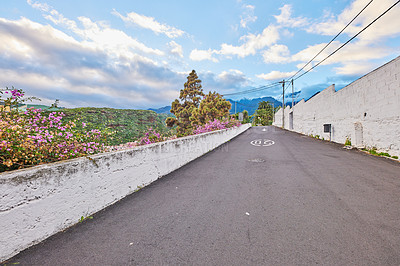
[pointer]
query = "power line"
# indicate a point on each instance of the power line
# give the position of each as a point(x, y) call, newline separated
point(254, 89)
point(331, 40)
point(352, 38)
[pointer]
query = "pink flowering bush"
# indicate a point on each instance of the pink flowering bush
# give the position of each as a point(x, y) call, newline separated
point(151, 136)
point(216, 125)
point(34, 137)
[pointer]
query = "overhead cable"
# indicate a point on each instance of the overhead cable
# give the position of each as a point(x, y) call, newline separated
point(352, 38)
point(331, 41)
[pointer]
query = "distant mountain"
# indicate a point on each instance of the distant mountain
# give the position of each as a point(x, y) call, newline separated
point(162, 110)
point(251, 105)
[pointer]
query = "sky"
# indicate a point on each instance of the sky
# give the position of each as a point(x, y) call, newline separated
point(137, 54)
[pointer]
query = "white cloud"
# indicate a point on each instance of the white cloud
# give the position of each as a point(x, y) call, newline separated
point(352, 52)
point(385, 27)
point(232, 76)
point(200, 55)
point(150, 23)
point(175, 49)
point(285, 18)
point(275, 75)
point(97, 35)
point(352, 68)
point(248, 16)
point(51, 64)
point(253, 43)
point(278, 53)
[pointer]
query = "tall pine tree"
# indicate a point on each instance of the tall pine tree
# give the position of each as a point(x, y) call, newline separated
point(189, 100)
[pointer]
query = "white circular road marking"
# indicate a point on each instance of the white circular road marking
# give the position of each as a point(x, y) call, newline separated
point(262, 142)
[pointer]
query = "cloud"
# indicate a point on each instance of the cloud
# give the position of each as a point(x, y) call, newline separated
point(97, 35)
point(385, 27)
point(353, 68)
point(278, 53)
point(150, 23)
point(175, 49)
point(200, 55)
point(253, 43)
point(275, 75)
point(285, 18)
point(233, 76)
point(225, 82)
point(248, 16)
point(49, 64)
point(351, 53)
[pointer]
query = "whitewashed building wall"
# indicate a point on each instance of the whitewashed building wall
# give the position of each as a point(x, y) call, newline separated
point(367, 111)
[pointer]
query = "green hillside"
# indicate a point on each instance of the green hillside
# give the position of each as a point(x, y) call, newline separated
point(123, 125)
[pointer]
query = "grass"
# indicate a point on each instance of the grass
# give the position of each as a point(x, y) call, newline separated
point(373, 151)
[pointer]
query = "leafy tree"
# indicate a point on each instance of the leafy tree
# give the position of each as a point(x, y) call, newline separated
point(263, 105)
point(212, 107)
point(264, 113)
point(246, 117)
point(189, 101)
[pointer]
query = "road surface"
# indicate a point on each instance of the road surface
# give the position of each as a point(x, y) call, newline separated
point(268, 197)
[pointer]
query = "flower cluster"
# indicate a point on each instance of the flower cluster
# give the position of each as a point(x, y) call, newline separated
point(216, 125)
point(151, 136)
point(36, 137)
point(14, 93)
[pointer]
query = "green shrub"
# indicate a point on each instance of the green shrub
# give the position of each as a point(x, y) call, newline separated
point(395, 157)
point(348, 142)
point(384, 154)
point(373, 152)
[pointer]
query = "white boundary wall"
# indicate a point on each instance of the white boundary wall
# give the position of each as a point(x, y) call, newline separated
point(367, 111)
point(38, 202)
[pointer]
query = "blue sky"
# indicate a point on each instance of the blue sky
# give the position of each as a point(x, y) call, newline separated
point(137, 54)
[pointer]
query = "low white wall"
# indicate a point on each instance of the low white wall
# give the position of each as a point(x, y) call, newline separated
point(38, 202)
point(367, 111)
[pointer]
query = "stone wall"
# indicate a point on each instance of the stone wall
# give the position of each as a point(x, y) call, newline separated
point(38, 202)
point(367, 111)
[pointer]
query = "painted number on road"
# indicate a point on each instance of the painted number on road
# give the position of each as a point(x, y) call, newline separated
point(262, 142)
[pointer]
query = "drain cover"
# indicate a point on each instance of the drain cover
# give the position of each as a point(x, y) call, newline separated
point(257, 160)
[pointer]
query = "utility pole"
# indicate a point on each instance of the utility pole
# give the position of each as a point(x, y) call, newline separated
point(273, 112)
point(283, 103)
point(235, 107)
point(292, 94)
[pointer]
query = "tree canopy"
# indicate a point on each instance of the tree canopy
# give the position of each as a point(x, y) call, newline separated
point(194, 108)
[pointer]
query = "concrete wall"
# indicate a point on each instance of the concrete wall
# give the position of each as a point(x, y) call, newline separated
point(366, 111)
point(38, 202)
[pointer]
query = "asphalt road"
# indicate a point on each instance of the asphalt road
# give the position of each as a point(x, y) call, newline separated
point(299, 201)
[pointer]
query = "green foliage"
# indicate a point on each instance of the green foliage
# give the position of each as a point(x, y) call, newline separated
point(34, 137)
point(246, 117)
point(194, 109)
point(264, 114)
point(212, 107)
point(117, 125)
point(85, 218)
point(189, 101)
point(347, 142)
point(373, 152)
